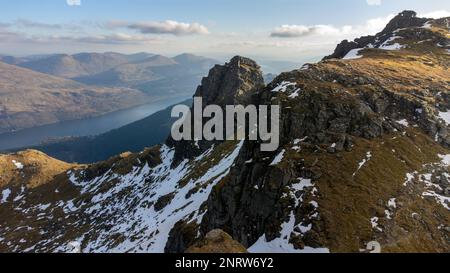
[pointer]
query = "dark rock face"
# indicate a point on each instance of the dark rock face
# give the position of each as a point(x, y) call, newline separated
point(230, 84)
point(182, 236)
point(405, 19)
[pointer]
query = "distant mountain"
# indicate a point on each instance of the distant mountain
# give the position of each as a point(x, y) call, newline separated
point(71, 66)
point(17, 60)
point(156, 75)
point(29, 98)
point(138, 56)
point(134, 137)
point(128, 74)
point(44, 89)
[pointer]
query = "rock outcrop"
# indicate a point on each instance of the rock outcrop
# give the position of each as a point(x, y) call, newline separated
point(230, 84)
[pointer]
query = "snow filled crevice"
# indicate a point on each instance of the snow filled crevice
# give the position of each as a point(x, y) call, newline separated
point(282, 244)
point(363, 162)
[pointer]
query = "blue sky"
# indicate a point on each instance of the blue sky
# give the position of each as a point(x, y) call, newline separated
point(272, 29)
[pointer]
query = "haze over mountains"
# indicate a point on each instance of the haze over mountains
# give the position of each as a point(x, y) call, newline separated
point(55, 88)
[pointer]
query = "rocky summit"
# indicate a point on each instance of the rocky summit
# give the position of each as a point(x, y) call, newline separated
point(364, 157)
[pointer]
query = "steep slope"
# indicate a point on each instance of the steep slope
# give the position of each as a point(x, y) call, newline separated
point(29, 98)
point(364, 156)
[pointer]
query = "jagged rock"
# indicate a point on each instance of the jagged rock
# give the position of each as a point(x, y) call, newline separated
point(230, 84)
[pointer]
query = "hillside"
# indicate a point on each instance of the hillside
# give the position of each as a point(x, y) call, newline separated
point(364, 156)
point(29, 99)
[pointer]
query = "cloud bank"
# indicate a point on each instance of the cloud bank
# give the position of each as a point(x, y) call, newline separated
point(164, 27)
point(371, 26)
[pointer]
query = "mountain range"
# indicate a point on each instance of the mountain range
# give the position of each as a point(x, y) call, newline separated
point(364, 160)
point(40, 90)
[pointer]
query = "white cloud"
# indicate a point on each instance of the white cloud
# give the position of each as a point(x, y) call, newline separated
point(165, 27)
point(373, 2)
point(289, 31)
point(73, 2)
point(370, 27)
point(436, 14)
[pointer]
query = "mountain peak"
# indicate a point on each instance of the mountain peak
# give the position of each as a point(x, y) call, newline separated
point(404, 19)
point(405, 31)
point(239, 60)
point(232, 82)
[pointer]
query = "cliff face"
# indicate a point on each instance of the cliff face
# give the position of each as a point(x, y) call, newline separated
point(364, 156)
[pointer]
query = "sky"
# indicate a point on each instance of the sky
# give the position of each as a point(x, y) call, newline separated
point(284, 30)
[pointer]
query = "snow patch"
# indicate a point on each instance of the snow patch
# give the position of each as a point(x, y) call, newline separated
point(18, 165)
point(353, 54)
point(5, 194)
point(374, 222)
point(295, 94)
point(277, 160)
point(392, 203)
point(403, 122)
point(445, 116)
point(363, 162)
point(283, 86)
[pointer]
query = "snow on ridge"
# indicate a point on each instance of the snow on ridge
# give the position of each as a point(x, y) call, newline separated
point(389, 45)
point(353, 54)
point(146, 228)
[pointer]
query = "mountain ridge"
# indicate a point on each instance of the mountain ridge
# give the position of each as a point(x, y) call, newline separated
point(364, 156)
